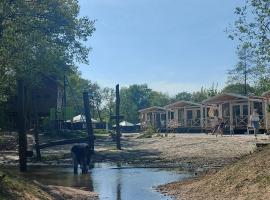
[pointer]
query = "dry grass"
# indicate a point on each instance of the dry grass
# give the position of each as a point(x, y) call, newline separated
point(197, 150)
point(247, 179)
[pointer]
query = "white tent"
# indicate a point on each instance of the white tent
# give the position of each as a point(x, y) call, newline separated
point(125, 124)
point(81, 118)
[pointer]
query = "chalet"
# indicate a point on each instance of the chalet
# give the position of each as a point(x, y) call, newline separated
point(186, 116)
point(235, 111)
point(155, 117)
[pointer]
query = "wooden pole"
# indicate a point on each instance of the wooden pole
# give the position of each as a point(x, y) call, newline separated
point(231, 117)
point(21, 126)
point(117, 110)
point(36, 131)
point(88, 121)
point(201, 118)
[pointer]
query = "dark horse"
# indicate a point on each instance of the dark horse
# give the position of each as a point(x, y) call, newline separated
point(81, 155)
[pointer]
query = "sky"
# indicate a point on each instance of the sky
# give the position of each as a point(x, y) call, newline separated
point(171, 45)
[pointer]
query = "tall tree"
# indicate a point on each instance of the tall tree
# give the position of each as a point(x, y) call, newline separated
point(186, 96)
point(238, 88)
point(134, 98)
point(41, 37)
point(252, 31)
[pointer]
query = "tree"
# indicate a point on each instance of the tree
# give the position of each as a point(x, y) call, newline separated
point(186, 96)
point(238, 88)
point(203, 94)
point(200, 96)
point(109, 102)
point(159, 99)
point(243, 73)
point(134, 98)
point(252, 32)
point(41, 37)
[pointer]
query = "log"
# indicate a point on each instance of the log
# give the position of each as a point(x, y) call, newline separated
point(261, 145)
point(62, 142)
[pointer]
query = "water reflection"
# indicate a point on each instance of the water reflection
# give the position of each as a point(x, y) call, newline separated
point(118, 192)
point(111, 182)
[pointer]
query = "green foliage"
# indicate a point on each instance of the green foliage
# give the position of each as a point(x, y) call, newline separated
point(183, 96)
point(134, 98)
point(148, 133)
point(252, 33)
point(159, 99)
point(238, 88)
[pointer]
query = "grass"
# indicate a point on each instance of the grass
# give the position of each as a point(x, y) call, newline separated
point(14, 187)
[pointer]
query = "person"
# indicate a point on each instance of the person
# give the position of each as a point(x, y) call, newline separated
point(221, 127)
point(215, 124)
point(255, 122)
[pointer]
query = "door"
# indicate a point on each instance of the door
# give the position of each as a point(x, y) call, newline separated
point(236, 114)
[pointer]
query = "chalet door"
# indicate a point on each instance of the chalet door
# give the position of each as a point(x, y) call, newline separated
point(189, 117)
point(163, 120)
point(158, 121)
point(236, 114)
point(181, 117)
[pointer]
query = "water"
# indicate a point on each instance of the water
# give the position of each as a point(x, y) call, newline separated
point(110, 182)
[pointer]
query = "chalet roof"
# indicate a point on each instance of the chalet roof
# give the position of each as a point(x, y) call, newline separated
point(266, 94)
point(153, 109)
point(228, 97)
point(180, 104)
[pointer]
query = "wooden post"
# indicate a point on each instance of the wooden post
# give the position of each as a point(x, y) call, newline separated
point(36, 131)
point(201, 118)
point(167, 119)
point(21, 126)
point(88, 119)
point(231, 117)
point(64, 103)
point(176, 116)
point(185, 116)
point(205, 116)
point(265, 115)
point(117, 113)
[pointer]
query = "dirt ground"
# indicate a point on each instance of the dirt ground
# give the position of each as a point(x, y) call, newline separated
point(187, 151)
point(246, 179)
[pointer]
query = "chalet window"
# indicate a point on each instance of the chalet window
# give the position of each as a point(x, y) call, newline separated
point(245, 110)
point(172, 115)
point(189, 114)
point(198, 114)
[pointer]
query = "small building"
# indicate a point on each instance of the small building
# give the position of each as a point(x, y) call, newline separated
point(79, 122)
point(235, 111)
point(155, 117)
point(185, 116)
point(126, 127)
point(49, 95)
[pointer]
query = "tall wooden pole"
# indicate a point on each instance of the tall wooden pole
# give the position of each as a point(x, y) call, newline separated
point(21, 126)
point(117, 110)
point(36, 131)
point(88, 119)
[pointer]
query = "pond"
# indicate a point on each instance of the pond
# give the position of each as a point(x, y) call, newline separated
point(110, 182)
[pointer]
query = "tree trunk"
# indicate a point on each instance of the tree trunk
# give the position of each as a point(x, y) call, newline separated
point(21, 127)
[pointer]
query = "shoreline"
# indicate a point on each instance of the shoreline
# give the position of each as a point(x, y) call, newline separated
point(199, 154)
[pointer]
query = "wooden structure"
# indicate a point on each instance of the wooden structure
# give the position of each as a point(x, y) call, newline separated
point(155, 117)
point(235, 111)
point(266, 95)
point(185, 116)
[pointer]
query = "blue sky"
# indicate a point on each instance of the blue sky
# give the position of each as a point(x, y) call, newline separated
point(172, 45)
